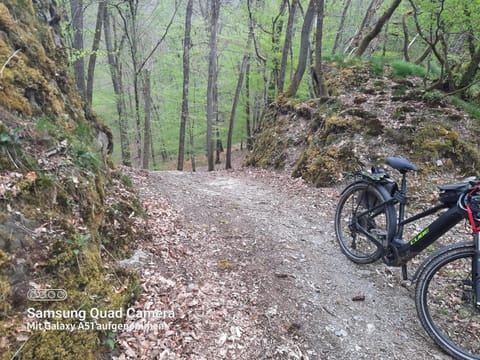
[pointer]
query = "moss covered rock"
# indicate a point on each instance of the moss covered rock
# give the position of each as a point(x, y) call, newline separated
point(369, 115)
point(64, 217)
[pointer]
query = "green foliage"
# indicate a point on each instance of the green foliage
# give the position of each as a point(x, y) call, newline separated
point(377, 65)
point(343, 62)
point(83, 132)
point(470, 108)
point(434, 70)
point(84, 157)
point(109, 341)
point(125, 179)
point(9, 137)
point(432, 96)
point(79, 242)
point(404, 69)
point(232, 40)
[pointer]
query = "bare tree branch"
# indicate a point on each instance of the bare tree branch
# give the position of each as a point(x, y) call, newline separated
point(159, 42)
point(14, 55)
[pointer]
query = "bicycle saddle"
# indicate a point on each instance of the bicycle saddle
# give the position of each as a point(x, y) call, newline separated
point(454, 187)
point(401, 164)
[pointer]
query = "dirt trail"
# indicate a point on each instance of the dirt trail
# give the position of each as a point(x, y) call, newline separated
point(271, 239)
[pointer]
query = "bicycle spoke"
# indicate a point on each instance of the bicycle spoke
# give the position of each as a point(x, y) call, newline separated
point(451, 308)
point(359, 222)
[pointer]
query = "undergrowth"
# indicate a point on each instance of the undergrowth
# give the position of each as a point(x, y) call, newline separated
point(471, 108)
point(404, 69)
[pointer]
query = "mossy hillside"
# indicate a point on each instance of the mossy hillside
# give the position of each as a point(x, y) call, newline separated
point(368, 116)
point(64, 215)
point(32, 82)
point(88, 286)
point(270, 142)
point(432, 141)
point(73, 251)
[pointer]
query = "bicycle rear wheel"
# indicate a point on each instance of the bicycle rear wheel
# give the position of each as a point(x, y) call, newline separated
point(445, 303)
point(361, 214)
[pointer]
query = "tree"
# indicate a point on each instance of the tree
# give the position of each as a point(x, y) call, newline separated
point(319, 83)
point(304, 48)
point(93, 55)
point(186, 83)
point(247, 107)
point(277, 28)
point(131, 21)
point(76, 8)
point(377, 28)
point(212, 81)
point(147, 132)
point(341, 26)
point(243, 68)
point(117, 82)
point(406, 42)
point(130, 28)
point(287, 46)
point(443, 23)
point(366, 23)
point(263, 63)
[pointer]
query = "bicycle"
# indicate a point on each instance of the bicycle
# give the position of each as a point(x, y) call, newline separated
point(369, 225)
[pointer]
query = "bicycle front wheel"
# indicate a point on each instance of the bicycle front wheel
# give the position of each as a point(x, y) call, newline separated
point(361, 215)
point(445, 303)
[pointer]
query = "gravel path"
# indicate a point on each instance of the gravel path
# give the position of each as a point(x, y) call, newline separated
point(270, 240)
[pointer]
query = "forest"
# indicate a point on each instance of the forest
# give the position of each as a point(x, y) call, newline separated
point(220, 264)
point(182, 82)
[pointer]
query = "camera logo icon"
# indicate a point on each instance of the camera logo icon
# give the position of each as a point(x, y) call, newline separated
point(46, 294)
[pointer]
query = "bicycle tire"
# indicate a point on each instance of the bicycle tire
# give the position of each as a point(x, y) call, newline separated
point(445, 304)
point(357, 199)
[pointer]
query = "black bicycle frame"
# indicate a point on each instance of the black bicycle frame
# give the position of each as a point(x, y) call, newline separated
point(405, 251)
point(427, 236)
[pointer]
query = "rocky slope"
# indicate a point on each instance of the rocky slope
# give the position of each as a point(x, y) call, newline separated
point(365, 118)
point(64, 214)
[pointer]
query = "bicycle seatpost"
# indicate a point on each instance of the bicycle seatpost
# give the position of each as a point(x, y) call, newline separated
point(402, 199)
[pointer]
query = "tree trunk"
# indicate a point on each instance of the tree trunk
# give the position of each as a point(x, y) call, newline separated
point(277, 28)
point(287, 45)
point(95, 45)
point(131, 32)
point(147, 132)
point(406, 41)
point(424, 55)
point(138, 122)
point(76, 7)
point(246, 57)
point(160, 139)
point(341, 26)
point(377, 28)
point(116, 75)
point(212, 80)
point(319, 89)
point(368, 18)
point(218, 147)
point(472, 68)
point(304, 46)
point(192, 143)
point(186, 80)
point(247, 107)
